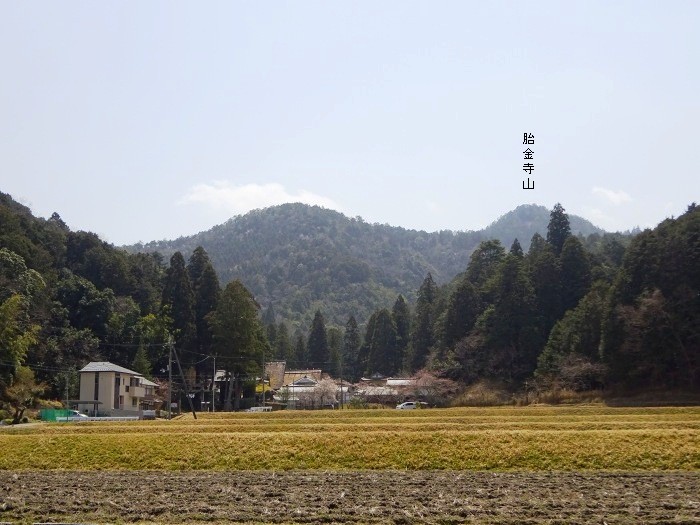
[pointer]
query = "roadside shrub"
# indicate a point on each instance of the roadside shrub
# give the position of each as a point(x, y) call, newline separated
point(483, 394)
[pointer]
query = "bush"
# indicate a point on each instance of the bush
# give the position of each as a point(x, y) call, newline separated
point(484, 394)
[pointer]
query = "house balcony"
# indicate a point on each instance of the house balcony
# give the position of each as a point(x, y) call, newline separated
point(137, 391)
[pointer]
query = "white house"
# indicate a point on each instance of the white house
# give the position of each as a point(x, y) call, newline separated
point(110, 389)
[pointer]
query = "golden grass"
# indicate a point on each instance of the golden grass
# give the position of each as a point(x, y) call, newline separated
point(529, 438)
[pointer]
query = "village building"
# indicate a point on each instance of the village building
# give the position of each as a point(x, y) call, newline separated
point(111, 390)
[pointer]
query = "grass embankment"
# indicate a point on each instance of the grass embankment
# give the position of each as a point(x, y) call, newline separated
point(530, 438)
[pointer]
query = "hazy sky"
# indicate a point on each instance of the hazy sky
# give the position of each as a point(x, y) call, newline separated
point(151, 120)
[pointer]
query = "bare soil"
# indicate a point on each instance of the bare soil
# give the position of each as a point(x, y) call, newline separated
point(399, 497)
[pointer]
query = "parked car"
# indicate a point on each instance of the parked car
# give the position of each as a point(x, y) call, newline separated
point(408, 405)
point(259, 409)
point(75, 413)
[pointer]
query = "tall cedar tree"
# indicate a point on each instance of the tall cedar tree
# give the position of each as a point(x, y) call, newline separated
point(205, 285)
point(516, 249)
point(512, 340)
point(351, 348)
point(382, 357)
point(575, 272)
point(402, 320)
point(544, 271)
point(179, 297)
point(301, 359)
point(283, 346)
point(483, 265)
point(463, 308)
point(335, 347)
point(422, 338)
point(238, 337)
point(317, 347)
point(558, 229)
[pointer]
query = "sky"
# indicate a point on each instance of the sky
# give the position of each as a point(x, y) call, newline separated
point(151, 120)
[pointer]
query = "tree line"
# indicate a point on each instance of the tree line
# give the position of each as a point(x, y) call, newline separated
point(572, 311)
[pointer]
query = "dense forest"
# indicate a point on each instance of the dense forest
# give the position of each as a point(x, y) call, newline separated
point(301, 258)
point(600, 311)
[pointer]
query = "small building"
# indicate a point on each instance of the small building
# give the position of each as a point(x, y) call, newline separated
point(116, 390)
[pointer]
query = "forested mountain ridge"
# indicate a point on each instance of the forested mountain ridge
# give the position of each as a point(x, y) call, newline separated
point(576, 313)
point(301, 258)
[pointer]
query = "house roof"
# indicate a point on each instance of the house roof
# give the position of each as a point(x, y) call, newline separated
point(106, 366)
point(292, 375)
point(146, 382)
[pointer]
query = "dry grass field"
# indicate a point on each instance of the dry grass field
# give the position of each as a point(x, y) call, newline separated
point(462, 465)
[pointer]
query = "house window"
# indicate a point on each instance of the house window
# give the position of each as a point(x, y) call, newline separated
point(134, 401)
point(97, 386)
point(134, 381)
point(121, 402)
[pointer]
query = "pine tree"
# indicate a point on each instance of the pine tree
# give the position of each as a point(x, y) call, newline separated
point(558, 229)
point(317, 347)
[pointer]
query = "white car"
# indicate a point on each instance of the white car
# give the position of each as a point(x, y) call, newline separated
point(408, 405)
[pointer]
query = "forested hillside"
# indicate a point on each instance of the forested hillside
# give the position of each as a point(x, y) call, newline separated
point(568, 314)
point(605, 311)
point(300, 258)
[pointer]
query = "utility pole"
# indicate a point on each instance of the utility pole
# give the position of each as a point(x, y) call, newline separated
point(341, 381)
point(170, 376)
point(213, 387)
point(262, 378)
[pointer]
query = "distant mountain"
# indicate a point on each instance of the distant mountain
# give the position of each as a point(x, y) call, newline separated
point(526, 220)
point(300, 258)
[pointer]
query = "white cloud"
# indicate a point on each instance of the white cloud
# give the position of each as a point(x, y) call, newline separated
point(615, 197)
point(224, 196)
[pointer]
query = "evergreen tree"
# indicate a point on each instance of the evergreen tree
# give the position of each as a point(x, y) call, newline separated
point(140, 363)
point(483, 265)
point(422, 337)
point(382, 357)
point(402, 321)
point(575, 273)
point(300, 356)
point(335, 348)
point(577, 334)
point(545, 275)
point(179, 297)
point(558, 229)
point(317, 347)
point(351, 348)
point(271, 334)
point(505, 343)
point(238, 337)
point(463, 308)
point(283, 346)
point(206, 290)
point(516, 249)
